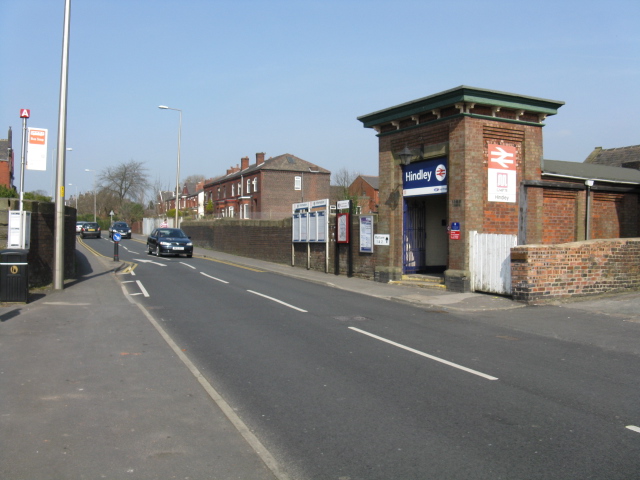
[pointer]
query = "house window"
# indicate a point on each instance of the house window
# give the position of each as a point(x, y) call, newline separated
point(230, 211)
point(240, 188)
point(255, 184)
point(297, 183)
point(248, 186)
point(233, 190)
point(245, 211)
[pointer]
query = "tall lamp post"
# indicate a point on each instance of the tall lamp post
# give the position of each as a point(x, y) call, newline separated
point(164, 107)
point(94, 193)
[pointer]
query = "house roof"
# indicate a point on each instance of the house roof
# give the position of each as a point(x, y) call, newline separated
point(284, 162)
point(371, 180)
point(617, 157)
point(587, 171)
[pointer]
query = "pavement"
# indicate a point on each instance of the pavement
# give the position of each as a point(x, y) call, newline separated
point(93, 388)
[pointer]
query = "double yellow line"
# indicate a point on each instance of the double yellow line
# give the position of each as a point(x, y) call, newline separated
point(130, 266)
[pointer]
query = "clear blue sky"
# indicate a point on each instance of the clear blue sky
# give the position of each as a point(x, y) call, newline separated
point(291, 76)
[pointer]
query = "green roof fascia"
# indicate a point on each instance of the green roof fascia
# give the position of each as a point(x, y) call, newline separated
point(457, 95)
point(472, 115)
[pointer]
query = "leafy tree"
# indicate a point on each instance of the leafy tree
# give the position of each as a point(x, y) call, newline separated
point(209, 207)
point(131, 212)
point(37, 195)
point(6, 192)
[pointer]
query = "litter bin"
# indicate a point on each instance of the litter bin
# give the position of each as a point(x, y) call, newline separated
point(14, 276)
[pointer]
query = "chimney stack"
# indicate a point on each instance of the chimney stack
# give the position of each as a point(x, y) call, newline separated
point(259, 158)
point(244, 163)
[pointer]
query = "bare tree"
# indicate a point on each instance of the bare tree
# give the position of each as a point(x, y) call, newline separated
point(343, 178)
point(127, 180)
point(193, 179)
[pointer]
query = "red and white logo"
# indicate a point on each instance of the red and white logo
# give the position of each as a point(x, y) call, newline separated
point(441, 172)
point(25, 113)
point(502, 156)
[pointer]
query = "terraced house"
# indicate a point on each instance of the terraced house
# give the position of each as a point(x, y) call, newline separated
point(266, 189)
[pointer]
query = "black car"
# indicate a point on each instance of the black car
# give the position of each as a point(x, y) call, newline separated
point(169, 241)
point(90, 229)
point(120, 227)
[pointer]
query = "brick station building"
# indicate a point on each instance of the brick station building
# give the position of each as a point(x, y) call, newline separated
point(467, 159)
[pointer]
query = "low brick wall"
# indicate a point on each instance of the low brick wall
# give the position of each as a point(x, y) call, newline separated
point(542, 273)
point(40, 256)
point(270, 240)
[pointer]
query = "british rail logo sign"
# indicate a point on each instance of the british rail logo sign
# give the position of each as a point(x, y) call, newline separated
point(503, 178)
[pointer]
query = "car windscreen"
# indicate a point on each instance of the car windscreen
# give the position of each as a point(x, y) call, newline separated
point(171, 232)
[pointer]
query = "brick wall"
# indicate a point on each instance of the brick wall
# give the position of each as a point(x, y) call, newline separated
point(40, 256)
point(542, 273)
point(560, 219)
point(270, 240)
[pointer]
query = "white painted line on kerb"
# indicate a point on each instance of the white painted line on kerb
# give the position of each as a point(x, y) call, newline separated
point(144, 290)
point(437, 359)
point(633, 428)
point(188, 265)
point(278, 301)
point(213, 278)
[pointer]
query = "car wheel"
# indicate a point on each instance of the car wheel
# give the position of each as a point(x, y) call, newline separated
point(189, 255)
point(157, 251)
point(99, 236)
point(148, 249)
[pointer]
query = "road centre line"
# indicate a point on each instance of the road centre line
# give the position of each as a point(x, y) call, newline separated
point(188, 265)
point(277, 301)
point(144, 290)
point(633, 428)
point(149, 261)
point(213, 278)
point(437, 359)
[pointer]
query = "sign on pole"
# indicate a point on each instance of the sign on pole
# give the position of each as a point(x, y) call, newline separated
point(310, 221)
point(37, 149)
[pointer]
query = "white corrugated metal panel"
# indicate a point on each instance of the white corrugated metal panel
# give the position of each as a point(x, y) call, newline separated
point(490, 261)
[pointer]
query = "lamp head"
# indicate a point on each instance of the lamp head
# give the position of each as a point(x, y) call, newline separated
point(164, 107)
point(405, 155)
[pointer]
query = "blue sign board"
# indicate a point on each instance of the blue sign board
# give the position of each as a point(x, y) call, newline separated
point(428, 177)
point(116, 237)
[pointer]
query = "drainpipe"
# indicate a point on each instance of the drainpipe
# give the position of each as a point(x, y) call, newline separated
point(587, 233)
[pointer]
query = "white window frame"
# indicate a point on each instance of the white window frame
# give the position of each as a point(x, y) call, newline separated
point(297, 182)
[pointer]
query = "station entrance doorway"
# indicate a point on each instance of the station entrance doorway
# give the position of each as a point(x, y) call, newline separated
point(425, 234)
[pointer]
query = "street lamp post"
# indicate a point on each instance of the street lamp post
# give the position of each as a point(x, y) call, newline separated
point(94, 193)
point(164, 107)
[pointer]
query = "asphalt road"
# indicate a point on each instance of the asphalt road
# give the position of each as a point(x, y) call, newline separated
point(344, 386)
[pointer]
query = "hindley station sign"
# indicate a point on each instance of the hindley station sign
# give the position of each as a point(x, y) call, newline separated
point(428, 177)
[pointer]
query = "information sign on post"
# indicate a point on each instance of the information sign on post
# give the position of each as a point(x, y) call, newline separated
point(366, 234)
point(342, 227)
